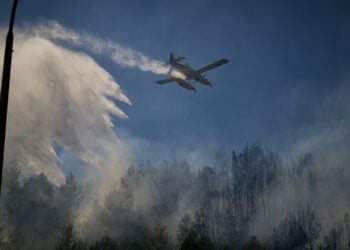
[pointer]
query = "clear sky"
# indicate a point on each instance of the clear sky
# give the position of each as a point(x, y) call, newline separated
point(286, 58)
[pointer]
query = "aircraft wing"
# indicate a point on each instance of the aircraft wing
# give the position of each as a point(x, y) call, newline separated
point(212, 66)
point(180, 58)
point(164, 81)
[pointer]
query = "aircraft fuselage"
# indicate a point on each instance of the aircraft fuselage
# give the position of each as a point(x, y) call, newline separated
point(190, 73)
point(179, 72)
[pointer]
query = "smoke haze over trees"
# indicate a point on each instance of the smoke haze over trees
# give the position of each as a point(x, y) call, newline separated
point(243, 200)
point(253, 198)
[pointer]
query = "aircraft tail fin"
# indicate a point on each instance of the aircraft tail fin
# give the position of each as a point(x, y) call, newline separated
point(172, 58)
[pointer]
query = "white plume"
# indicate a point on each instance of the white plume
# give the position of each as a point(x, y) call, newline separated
point(58, 96)
point(121, 55)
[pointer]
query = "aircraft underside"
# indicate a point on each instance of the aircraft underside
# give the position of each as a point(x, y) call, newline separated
point(185, 85)
point(182, 72)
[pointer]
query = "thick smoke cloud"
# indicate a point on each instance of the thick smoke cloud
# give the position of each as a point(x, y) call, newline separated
point(329, 134)
point(58, 97)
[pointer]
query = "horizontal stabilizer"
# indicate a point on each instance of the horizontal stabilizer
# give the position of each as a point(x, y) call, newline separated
point(212, 66)
point(164, 81)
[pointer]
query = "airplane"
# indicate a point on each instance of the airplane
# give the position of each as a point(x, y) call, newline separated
point(181, 72)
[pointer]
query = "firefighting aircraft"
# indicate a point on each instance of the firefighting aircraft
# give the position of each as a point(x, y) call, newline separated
point(179, 72)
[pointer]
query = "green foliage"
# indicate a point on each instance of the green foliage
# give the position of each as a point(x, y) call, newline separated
point(67, 240)
point(289, 234)
point(220, 204)
point(195, 241)
point(158, 238)
point(184, 227)
point(333, 239)
point(299, 229)
point(105, 243)
point(253, 244)
point(120, 217)
point(192, 234)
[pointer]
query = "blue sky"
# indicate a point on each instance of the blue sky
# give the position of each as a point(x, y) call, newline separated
point(286, 58)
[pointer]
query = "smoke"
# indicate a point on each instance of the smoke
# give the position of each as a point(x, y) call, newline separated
point(321, 178)
point(330, 133)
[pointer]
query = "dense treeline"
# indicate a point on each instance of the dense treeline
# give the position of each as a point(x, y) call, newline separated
point(249, 200)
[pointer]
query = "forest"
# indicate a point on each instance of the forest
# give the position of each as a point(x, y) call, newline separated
point(253, 199)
